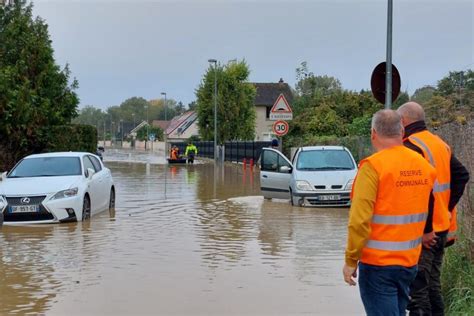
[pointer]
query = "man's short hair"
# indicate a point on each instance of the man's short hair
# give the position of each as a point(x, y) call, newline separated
point(387, 123)
point(412, 111)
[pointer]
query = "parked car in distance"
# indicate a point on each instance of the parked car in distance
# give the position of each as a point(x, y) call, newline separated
point(318, 176)
point(56, 187)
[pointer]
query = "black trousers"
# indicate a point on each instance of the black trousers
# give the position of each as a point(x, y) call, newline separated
point(425, 291)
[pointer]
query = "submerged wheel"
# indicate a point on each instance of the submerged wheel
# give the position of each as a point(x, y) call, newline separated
point(112, 199)
point(86, 209)
point(291, 198)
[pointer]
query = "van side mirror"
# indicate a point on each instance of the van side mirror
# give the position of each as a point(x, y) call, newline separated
point(285, 169)
point(4, 175)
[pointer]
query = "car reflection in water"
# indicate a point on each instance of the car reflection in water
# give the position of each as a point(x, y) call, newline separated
point(39, 262)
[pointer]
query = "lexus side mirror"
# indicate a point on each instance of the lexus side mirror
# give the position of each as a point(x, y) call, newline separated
point(4, 175)
point(90, 173)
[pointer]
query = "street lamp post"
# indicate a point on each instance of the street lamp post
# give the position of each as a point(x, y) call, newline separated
point(164, 105)
point(214, 61)
point(147, 126)
point(166, 120)
point(121, 133)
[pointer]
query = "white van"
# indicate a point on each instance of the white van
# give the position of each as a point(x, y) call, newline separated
point(318, 176)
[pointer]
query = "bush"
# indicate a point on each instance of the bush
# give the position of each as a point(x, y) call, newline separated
point(71, 138)
point(359, 146)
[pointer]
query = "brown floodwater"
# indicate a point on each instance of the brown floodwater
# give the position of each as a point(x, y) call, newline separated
point(183, 240)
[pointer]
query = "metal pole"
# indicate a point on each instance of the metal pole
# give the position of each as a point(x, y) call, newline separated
point(388, 71)
point(147, 127)
point(215, 111)
point(104, 133)
point(121, 132)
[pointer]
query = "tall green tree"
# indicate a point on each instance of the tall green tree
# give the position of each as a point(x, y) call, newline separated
point(423, 94)
point(35, 92)
point(235, 103)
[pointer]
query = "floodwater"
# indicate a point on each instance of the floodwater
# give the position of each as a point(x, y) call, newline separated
point(183, 240)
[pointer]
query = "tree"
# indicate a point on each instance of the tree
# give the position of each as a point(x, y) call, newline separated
point(235, 103)
point(146, 131)
point(402, 98)
point(423, 95)
point(35, 92)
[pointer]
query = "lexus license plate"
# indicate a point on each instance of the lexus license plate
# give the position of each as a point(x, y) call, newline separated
point(24, 208)
point(329, 197)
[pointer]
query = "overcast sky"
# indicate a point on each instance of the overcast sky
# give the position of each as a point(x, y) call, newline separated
point(121, 49)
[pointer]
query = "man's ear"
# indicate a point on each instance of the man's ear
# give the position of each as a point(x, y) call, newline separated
point(372, 134)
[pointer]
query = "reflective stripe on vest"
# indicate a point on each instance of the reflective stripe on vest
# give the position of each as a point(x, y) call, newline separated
point(441, 187)
point(400, 213)
point(428, 151)
point(393, 245)
point(399, 219)
point(438, 153)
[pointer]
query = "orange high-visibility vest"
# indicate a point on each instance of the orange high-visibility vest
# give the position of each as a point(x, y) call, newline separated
point(438, 154)
point(401, 208)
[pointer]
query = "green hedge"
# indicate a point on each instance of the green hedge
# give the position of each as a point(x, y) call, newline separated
point(71, 138)
point(359, 146)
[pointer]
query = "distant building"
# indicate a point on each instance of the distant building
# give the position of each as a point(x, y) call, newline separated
point(267, 94)
point(182, 127)
point(161, 124)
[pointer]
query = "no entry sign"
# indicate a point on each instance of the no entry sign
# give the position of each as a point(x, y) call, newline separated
point(280, 128)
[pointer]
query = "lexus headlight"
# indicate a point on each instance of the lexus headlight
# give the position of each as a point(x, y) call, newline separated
point(303, 185)
point(349, 185)
point(3, 200)
point(65, 194)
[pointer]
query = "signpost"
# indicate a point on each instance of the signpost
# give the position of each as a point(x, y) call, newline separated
point(281, 110)
point(280, 128)
point(378, 83)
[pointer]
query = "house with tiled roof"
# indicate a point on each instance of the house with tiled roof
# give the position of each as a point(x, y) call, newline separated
point(182, 127)
point(267, 94)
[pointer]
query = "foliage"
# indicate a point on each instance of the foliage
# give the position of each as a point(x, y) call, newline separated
point(235, 103)
point(457, 279)
point(34, 91)
point(148, 130)
point(423, 95)
point(71, 138)
point(323, 108)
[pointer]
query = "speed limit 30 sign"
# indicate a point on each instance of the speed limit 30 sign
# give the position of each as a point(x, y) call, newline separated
point(280, 128)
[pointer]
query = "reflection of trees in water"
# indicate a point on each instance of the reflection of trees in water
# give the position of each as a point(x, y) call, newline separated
point(223, 233)
point(276, 228)
point(224, 226)
point(39, 262)
point(319, 237)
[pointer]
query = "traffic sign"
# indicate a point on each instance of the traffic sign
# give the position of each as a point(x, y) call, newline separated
point(281, 110)
point(151, 137)
point(280, 128)
point(377, 82)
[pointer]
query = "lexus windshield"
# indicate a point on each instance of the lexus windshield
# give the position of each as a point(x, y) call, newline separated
point(47, 167)
point(315, 160)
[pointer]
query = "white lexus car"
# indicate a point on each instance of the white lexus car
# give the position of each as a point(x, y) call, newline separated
point(56, 187)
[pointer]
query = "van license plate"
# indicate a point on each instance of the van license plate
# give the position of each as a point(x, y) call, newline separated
point(24, 208)
point(329, 197)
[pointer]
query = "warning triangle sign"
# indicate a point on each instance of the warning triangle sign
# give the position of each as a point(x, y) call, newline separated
point(281, 105)
point(281, 110)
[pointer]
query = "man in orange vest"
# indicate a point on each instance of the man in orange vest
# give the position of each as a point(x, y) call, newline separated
point(387, 216)
point(452, 176)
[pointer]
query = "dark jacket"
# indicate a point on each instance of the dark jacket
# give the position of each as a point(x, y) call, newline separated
point(459, 174)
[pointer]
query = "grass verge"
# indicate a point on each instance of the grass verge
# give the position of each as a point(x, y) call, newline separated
point(457, 279)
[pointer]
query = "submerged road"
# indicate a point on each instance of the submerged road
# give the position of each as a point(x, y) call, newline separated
point(184, 240)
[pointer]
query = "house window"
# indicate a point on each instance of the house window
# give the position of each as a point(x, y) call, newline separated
point(268, 108)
